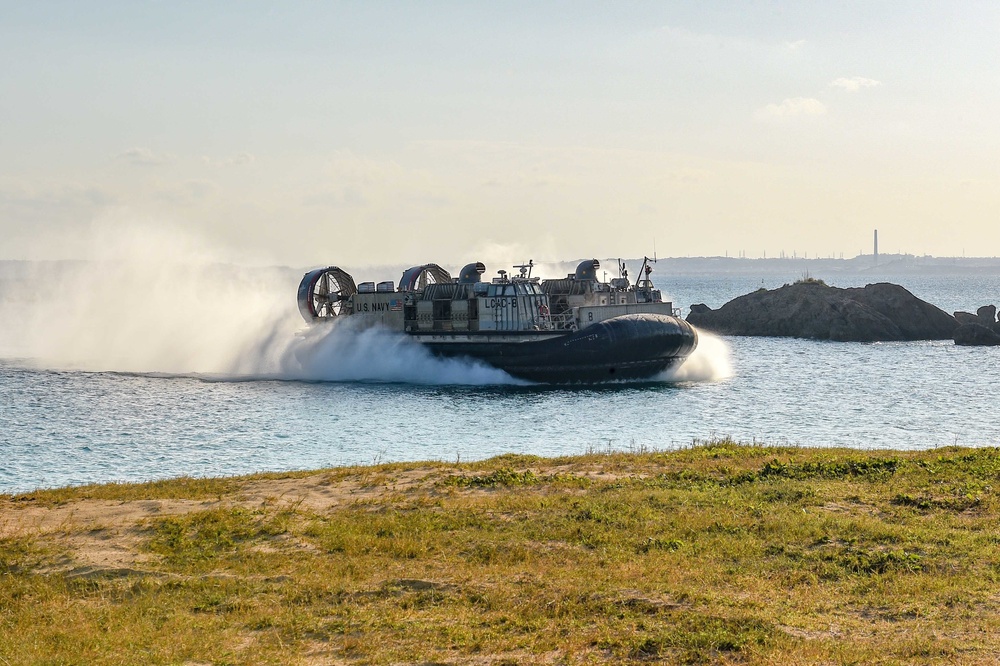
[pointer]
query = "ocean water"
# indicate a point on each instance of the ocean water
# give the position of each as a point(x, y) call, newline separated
point(103, 397)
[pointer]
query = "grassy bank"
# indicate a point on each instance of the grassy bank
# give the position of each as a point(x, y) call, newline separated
point(719, 553)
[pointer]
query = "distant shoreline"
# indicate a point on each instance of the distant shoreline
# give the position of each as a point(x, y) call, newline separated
point(885, 265)
point(894, 264)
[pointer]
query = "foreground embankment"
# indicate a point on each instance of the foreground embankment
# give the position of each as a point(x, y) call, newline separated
point(719, 553)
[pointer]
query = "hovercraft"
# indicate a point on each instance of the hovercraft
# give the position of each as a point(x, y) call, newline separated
point(573, 329)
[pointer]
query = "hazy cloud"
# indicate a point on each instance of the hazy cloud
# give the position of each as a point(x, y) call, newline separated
point(336, 198)
point(796, 45)
point(239, 159)
point(188, 193)
point(42, 222)
point(855, 83)
point(71, 197)
point(138, 156)
point(795, 106)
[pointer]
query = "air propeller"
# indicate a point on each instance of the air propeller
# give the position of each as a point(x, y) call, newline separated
point(325, 294)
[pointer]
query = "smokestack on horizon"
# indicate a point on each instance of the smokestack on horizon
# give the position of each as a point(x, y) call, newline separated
point(876, 246)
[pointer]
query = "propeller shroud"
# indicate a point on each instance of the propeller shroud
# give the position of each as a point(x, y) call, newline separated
point(325, 293)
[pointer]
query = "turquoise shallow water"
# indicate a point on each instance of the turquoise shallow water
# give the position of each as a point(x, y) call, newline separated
point(364, 404)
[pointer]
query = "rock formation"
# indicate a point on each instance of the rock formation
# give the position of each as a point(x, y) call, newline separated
point(967, 318)
point(811, 309)
point(976, 335)
point(980, 329)
point(988, 312)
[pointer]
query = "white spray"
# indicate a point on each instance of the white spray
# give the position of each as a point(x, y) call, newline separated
point(342, 351)
point(710, 362)
point(152, 300)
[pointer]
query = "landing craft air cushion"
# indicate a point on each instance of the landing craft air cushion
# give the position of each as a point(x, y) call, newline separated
point(574, 329)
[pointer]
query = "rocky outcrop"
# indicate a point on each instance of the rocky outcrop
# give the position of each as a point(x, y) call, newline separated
point(917, 319)
point(980, 329)
point(976, 335)
point(811, 309)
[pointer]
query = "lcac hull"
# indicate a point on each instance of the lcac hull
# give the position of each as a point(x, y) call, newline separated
point(638, 346)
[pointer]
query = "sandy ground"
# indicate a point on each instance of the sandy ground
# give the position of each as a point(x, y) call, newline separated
point(103, 535)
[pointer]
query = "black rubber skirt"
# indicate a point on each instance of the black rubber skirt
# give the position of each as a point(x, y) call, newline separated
point(629, 347)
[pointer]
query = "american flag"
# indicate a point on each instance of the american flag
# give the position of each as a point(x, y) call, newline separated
point(395, 304)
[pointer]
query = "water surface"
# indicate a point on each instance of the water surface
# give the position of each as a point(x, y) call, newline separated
point(379, 401)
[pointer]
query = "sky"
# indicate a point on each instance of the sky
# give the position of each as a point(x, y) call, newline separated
point(360, 133)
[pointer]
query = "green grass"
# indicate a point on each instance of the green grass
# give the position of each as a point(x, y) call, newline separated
point(17, 554)
point(720, 553)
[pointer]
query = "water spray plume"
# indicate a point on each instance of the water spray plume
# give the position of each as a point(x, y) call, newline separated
point(155, 301)
point(342, 351)
point(710, 362)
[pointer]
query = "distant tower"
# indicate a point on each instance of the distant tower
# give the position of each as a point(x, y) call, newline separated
point(876, 246)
